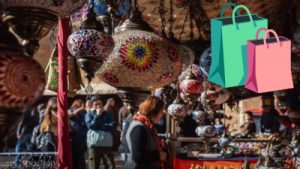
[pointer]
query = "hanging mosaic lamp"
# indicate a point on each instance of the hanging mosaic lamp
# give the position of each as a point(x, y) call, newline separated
point(188, 57)
point(141, 59)
point(205, 61)
point(177, 110)
point(90, 45)
point(31, 20)
point(191, 87)
point(22, 79)
point(199, 115)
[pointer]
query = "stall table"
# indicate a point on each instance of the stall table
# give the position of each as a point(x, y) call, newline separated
point(183, 162)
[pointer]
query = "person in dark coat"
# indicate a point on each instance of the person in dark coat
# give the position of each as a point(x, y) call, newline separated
point(24, 132)
point(270, 120)
point(145, 147)
point(77, 120)
point(96, 120)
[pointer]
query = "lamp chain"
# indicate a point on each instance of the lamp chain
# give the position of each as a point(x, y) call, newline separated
point(191, 23)
point(89, 90)
point(162, 17)
point(171, 20)
point(135, 5)
point(91, 5)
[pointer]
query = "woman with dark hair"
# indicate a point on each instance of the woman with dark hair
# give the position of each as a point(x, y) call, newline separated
point(249, 127)
point(145, 147)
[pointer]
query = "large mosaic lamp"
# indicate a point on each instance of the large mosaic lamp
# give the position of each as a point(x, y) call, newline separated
point(22, 82)
point(31, 20)
point(90, 45)
point(140, 58)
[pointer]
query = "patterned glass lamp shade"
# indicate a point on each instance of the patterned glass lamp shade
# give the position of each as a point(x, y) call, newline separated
point(22, 80)
point(191, 86)
point(177, 110)
point(57, 7)
point(141, 59)
point(90, 43)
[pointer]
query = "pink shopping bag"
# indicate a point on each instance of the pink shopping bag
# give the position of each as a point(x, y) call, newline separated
point(269, 63)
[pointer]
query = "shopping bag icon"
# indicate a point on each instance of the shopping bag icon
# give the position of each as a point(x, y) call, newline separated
point(229, 36)
point(269, 63)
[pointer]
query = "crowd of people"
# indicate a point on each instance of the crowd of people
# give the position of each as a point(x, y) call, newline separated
point(97, 130)
point(100, 131)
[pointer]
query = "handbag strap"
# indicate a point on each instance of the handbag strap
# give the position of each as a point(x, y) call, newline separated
point(259, 30)
point(247, 11)
point(228, 4)
point(274, 33)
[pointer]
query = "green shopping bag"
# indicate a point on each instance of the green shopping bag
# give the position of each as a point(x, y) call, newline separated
point(229, 36)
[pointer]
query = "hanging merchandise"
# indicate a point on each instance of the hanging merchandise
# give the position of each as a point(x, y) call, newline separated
point(22, 80)
point(32, 20)
point(205, 131)
point(269, 63)
point(177, 109)
point(73, 75)
point(57, 7)
point(188, 57)
point(191, 85)
point(205, 61)
point(90, 45)
point(199, 116)
point(229, 37)
point(195, 70)
point(141, 59)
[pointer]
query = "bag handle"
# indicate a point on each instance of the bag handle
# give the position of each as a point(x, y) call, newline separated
point(274, 33)
point(228, 4)
point(259, 30)
point(239, 7)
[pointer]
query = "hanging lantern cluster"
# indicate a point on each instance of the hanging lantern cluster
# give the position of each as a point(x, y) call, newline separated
point(141, 59)
point(31, 20)
point(22, 79)
point(90, 45)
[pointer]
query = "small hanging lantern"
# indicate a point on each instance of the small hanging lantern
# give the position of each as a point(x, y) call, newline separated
point(177, 110)
point(205, 131)
point(205, 62)
point(199, 116)
point(90, 45)
point(191, 85)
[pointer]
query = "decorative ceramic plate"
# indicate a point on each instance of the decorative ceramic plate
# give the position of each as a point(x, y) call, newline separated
point(22, 80)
